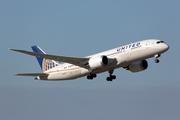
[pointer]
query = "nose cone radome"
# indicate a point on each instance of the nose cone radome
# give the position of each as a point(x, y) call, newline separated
point(166, 47)
point(162, 48)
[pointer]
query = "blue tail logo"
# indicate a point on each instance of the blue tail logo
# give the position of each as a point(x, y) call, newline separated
point(45, 64)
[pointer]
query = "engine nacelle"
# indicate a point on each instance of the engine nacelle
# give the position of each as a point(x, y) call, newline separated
point(138, 66)
point(98, 62)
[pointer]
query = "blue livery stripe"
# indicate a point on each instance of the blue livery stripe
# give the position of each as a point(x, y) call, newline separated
point(45, 64)
point(36, 49)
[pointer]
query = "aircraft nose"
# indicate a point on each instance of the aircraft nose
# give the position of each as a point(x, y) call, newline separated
point(166, 47)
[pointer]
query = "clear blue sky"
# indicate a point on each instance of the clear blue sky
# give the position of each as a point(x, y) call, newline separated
point(81, 28)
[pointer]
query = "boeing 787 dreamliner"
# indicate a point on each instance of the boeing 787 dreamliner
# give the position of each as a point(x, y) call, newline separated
point(132, 57)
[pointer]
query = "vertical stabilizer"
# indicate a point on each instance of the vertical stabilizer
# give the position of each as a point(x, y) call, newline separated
point(45, 64)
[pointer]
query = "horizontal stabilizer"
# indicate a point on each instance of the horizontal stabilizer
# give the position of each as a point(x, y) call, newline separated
point(32, 74)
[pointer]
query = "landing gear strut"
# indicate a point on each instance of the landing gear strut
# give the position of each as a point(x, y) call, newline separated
point(111, 77)
point(157, 56)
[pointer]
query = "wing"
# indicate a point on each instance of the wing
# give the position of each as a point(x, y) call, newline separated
point(72, 60)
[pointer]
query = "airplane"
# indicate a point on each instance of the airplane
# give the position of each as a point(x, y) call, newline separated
point(131, 57)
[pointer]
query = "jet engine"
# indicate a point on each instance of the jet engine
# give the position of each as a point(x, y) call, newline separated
point(138, 66)
point(98, 62)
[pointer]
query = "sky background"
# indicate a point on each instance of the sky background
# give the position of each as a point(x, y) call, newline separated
point(81, 28)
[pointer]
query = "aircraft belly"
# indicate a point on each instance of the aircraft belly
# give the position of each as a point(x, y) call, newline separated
point(72, 74)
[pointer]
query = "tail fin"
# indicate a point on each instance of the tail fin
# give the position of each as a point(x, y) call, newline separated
point(45, 64)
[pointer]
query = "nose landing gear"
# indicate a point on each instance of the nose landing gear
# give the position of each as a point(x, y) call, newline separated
point(156, 61)
point(157, 56)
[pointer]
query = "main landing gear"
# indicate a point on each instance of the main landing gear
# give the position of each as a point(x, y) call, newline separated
point(157, 56)
point(91, 76)
point(111, 77)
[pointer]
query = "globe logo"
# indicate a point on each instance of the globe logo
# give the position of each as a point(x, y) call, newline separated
point(48, 64)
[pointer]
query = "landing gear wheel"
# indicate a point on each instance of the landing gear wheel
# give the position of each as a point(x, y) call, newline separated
point(94, 75)
point(91, 76)
point(156, 61)
point(109, 79)
point(113, 76)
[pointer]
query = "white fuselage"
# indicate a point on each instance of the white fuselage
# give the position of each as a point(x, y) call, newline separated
point(123, 56)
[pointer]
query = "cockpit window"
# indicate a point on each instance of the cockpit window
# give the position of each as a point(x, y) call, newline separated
point(160, 42)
